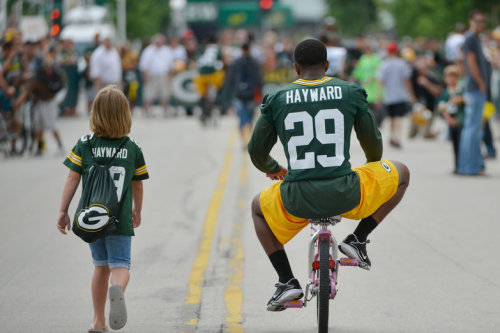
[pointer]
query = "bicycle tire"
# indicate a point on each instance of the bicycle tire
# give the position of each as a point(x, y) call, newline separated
point(323, 301)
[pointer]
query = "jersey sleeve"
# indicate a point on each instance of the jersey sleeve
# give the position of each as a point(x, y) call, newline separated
point(360, 101)
point(141, 170)
point(266, 107)
point(263, 139)
point(74, 158)
point(369, 136)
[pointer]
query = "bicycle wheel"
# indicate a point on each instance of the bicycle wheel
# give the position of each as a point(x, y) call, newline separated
point(323, 300)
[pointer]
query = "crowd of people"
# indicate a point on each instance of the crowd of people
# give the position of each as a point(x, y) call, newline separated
point(403, 77)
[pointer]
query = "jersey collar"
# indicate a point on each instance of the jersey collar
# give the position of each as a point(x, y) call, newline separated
point(312, 82)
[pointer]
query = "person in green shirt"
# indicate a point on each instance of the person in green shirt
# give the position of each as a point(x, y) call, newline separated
point(365, 73)
point(110, 122)
point(313, 118)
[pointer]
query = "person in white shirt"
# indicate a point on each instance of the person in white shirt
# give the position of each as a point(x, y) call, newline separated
point(156, 64)
point(454, 43)
point(105, 65)
point(336, 55)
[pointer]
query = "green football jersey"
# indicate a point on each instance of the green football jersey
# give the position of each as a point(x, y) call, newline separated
point(127, 166)
point(314, 120)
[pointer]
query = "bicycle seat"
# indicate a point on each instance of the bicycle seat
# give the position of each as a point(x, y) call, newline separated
point(332, 220)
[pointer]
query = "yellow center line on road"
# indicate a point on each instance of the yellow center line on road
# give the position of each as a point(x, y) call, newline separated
point(201, 262)
point(234, 294)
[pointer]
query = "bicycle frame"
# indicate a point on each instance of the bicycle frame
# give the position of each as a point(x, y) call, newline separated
point(322, 233)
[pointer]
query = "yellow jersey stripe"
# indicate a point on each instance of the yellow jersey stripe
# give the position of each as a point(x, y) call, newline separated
point(76, 157)
point(313, 82)
point(141, 168)
point(141, 173)
point(73, 160)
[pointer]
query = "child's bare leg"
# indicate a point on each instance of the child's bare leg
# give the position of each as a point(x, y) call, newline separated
point(120, 276)
point(100, 281)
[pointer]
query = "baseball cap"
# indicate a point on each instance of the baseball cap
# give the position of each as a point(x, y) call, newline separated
point(392, 47)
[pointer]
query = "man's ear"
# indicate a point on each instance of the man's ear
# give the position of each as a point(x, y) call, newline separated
point(327, 65)
point(297, 68)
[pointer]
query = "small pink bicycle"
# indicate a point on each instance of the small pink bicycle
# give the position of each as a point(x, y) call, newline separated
point(323, 269)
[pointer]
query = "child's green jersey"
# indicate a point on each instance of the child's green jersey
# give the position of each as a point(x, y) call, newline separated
point(314, 120)
point(127, 166)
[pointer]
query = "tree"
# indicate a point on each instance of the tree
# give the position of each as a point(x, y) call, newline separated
point(435, 18)
point(354, 17)
point(146, 18)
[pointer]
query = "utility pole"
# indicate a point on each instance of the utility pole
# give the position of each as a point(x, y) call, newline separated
point(121, 19)
point(3, 16)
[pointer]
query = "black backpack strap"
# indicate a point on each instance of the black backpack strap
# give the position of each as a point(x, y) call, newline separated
point(116, 152)
point(90, 147)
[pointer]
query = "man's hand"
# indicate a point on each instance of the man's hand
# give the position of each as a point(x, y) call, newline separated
point(278, 175)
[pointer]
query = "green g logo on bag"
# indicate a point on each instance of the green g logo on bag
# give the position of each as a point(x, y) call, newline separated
point(93, 218)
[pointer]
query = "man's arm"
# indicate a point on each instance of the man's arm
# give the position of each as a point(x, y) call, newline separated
point(369, 136)
point(263, 139)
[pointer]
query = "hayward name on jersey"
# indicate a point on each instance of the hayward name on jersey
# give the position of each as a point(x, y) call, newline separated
point(127, 166)
point(312, 95)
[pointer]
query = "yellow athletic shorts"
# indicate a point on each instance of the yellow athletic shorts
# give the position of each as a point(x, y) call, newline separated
point(203, 81)
point(379, 182)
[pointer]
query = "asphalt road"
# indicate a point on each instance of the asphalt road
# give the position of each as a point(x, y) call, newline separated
point(197, 265)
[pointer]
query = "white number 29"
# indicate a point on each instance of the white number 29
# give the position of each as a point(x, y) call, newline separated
point(311, 126)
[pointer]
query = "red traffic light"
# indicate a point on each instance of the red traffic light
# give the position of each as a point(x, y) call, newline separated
point(55, 14)
point(266, 4)
point(55, 30)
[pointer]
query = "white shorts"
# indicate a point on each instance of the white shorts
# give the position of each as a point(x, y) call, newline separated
point(45, 115)
point(156, 88)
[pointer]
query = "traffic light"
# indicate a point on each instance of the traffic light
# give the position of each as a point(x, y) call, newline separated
point(55, 22)
point(266, 5)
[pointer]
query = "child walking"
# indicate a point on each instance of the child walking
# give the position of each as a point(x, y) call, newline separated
point(110, 122)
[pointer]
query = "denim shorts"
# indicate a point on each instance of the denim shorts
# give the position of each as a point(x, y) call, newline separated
point(112, 251)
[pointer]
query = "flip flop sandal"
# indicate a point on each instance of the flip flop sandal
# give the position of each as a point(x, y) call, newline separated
point(97, 330)
point(117, 309)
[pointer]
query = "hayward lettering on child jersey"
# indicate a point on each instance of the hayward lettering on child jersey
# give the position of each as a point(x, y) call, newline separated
point(109, 152)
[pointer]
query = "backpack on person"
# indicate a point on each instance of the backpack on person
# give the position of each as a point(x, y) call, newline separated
point(98, 210)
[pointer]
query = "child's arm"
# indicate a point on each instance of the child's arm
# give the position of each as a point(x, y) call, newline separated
point(70, 187)
point(137, 191)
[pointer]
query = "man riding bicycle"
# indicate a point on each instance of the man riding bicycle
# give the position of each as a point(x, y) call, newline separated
point(314, 117)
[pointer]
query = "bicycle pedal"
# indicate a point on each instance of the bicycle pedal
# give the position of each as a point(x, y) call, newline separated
point(348, 262)
point(294, 304)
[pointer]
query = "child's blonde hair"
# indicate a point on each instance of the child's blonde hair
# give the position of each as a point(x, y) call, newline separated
point(110, 116)
point(451, 70)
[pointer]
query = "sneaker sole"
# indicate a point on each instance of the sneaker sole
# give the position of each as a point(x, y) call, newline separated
point(289, 295)
point(349, 251)
point(117, 309)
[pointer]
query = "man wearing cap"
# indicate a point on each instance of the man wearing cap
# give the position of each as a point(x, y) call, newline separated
point(394, 75)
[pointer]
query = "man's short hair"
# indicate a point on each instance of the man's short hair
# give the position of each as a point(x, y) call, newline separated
point(309, 53)
point(475, 12)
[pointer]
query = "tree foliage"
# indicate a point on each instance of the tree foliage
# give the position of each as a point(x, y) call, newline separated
point(428, 18)
point(146, 18)
point(436, 18)
point(354, 17)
